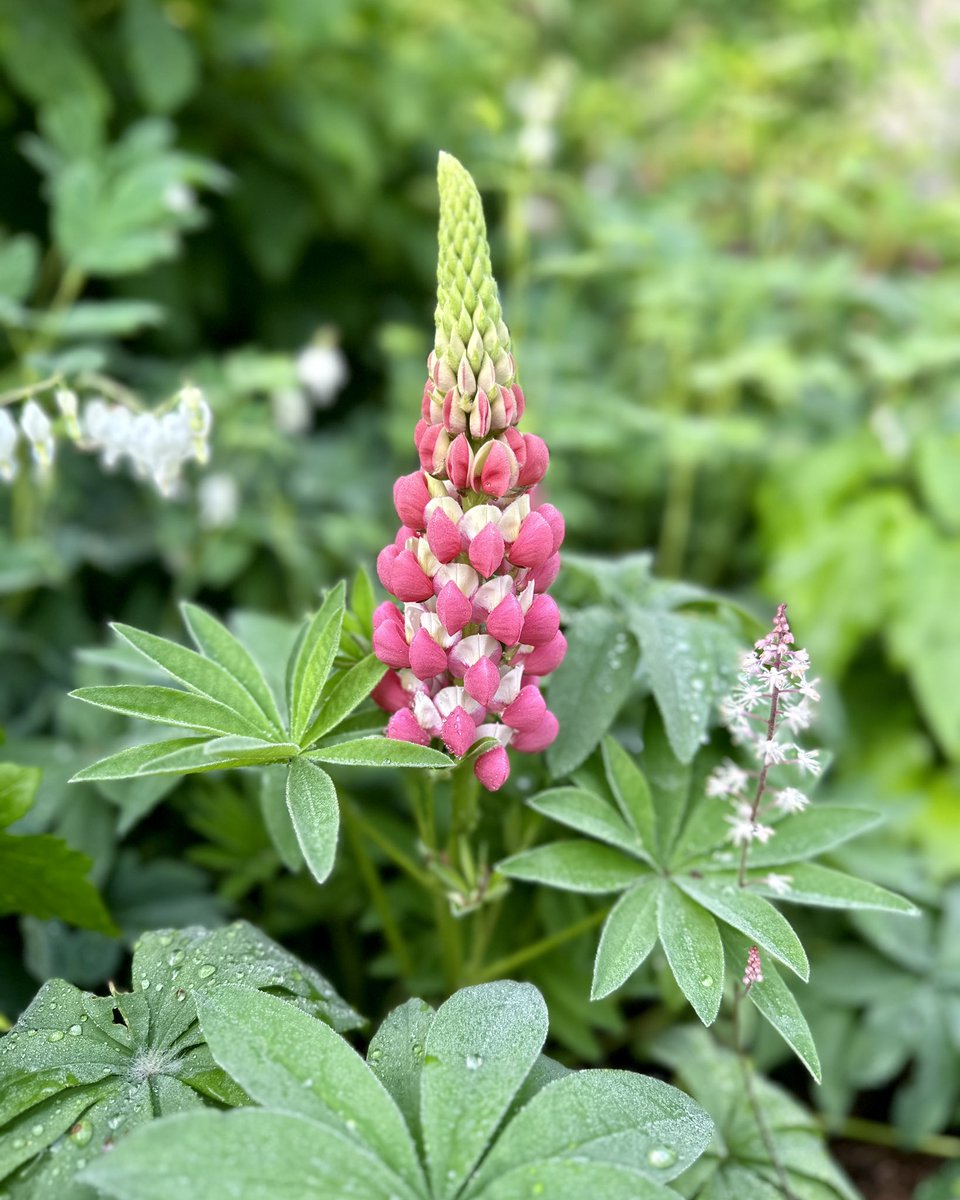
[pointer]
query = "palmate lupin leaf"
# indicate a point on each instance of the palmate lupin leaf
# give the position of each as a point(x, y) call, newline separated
point(78, 1071)
point(235, 719)
point(649, 835)
point(453, 1104)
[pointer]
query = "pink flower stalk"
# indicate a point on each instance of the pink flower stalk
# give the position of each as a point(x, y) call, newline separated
point(475, 631)
point(754, 969)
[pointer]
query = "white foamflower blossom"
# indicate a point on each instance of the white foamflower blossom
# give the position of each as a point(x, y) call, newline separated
point(9, 436)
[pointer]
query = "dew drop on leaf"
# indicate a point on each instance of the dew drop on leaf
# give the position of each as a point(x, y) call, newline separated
point(206, 970)
point(81, 1133)
point(75, 1030)
point(55, 1035)
point(474, 1061)
point(661, 1156)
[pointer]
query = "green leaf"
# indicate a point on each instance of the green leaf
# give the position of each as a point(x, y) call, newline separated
point(691, 941)
point(168, 706)
point(362, 599)
point(590, 686)
point(43, 876)
point(287, 1060)
point(380, 752)
point(217, 642)
point(161, 58)
point(18, 786)
point(576, 866)
point(96, 318)
point(752, 915)
point(822, 887)
point(355, 685)
point(312, 660)
point(479, 1049)
point(587, 813)
point(199, 674)
point(629, 934)
point(312, 803)
point(19, 260)
point(395, 1056)
point(778, 1004)
point(138, 760)
point(559, 1179)
point(631, 791)
point(250, 1153)
point(276, 817)
point(809, 833)
point(616, 1118)
point(669, 781)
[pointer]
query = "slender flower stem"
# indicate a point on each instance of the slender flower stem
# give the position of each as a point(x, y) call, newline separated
point(739, 994)
point(30, 389)
point(396, 856)
point(499, 968)
point(858, 1129)
point(762, 778)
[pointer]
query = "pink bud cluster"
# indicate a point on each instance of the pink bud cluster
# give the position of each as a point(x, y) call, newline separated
point(475, 630)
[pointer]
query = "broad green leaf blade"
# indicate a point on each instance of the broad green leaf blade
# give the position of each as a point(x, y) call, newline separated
point(809, 833)
point(617, 1118)
point(778, 1004)
point(395, 1056)
point(248, 1153)
point(588, 814)
point(18, 786)
point(631, 791)
point(138, 760)
point(752, 915)
point(705, 838)
point(669, 781)
point(823, 887)
point(576, 866)
point(201, 675)
point(313, 807)
point(289, 1061)
point(690, 662)
point(362, 599)
point(41, 875)
point(589, 687)
point(312, 660)
point(217, 642)
point(168, 706)
point(563, 1179)
point(276, 817)
point(481, 1046)
point(691, 942)
point(380, 752)
point(629, 934)
point(345, 695)
point(35, 1130)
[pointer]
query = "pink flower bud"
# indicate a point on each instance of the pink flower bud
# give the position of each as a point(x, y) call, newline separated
point(541, 622)
point(544, 576)
point(494, 470)
point(404, 534)
point(545, 659)
point(506, 621)
point(466, 380)
point(418, 431)
point(554, 518)
point(426, 401)
point(432, 448)
point(540, 738)
point(410, 497)
point(403, 727)
point(387, 611)
point(454, 418)
point(534, 543)
point(500, 413)
point(480, 416)
point(407, 580)
point(385, 560)
point(460, 462)
point(526, 713)
point(390, 646)
point(453, 608)
point(493, 768)
point(458, 731)
point(754, 969)
point(427, 658)
point(538, 459)
point(514, 439)
point(482, 680)
point(486, 550)
point(520, 401)
point(445, 378)
point(390, 694)
point(443, 537)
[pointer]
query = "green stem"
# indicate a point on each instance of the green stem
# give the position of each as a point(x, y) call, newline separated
point(396, 856)
point(858, 1129)
point(499, 968)
point(30, 389)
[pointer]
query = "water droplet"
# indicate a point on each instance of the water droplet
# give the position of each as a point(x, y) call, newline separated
point(181, 994)
point(376, 1054)
point(176, 958)
point(37, 1130)
point(351, 1124)
point(75, 1030)
point(144, 983)
point(55, 1035)
point(31, 1033)
point(206, 971)
point(661, 1156)
point(81, 1133)
point(474, 1061)
point(308, 1083)
point(18, 1143)
point(707, 981)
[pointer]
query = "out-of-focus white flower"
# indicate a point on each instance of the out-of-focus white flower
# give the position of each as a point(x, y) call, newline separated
point(791, 800)
point(322, 370)
point(781, 884)
point(537, 143)
point(179, 197)
point(218, 499)
point(291, 410)
point(69, 408)
point(38, 431)
point(195, 410)
point(9, 436)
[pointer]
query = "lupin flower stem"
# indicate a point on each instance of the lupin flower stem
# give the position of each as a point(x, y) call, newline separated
point(475, 631)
